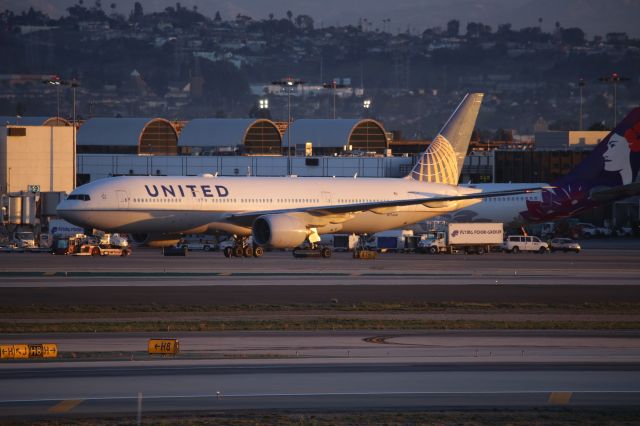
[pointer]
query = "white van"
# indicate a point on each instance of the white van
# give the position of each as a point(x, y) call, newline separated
point(518, 243)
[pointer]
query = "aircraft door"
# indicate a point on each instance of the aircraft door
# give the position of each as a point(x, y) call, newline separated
point(325, 197)
point(123, 199)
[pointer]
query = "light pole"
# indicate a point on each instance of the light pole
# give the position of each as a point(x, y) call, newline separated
point(55, 81)
point(614, 79)
point(288, 84)
point(74, 84)
point(366, 104)
point(333, 86)
point(581, 84)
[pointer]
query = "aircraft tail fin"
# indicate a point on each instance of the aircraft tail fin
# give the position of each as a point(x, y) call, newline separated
point(608, 173)
point(442, 161)
point(615, 160)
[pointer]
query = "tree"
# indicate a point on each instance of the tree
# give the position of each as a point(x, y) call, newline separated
point(572, 36)
point(137, 13)
point(289, 15)
point(217, 18)
point(304, 22)
point(453, 28)
point(598, 126)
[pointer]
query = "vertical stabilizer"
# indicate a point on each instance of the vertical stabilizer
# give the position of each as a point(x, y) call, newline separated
point(443, 159)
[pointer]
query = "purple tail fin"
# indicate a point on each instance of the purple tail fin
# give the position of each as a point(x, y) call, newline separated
point(615, 160)
point(607, 174)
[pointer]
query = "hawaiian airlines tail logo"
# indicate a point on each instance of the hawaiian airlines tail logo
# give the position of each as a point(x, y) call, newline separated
point(438, 164)
point(614, 163)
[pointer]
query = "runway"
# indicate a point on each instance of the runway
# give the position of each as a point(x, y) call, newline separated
point(349, 386)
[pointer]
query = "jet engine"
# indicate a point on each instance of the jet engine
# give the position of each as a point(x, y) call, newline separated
point(155, 240)
point(279, 231)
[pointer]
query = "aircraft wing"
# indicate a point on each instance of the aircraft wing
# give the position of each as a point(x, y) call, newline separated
point(427, 199)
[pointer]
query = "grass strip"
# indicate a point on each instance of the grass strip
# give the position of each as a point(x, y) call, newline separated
point(515, 417)
point(311, 324)
point(332, 305)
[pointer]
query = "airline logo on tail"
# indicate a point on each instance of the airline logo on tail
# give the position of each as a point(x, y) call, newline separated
point(606, 175)
point(443, 159)
point(438, 164)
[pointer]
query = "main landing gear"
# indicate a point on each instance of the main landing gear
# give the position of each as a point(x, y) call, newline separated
point(242, 248)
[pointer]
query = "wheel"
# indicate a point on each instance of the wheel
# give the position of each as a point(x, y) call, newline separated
point(125, 253)
point(248, 251)
point(515, 250)
point(325, 252)
point(228, 252)
point(577, 250)
point(433, 250)
point(238, 251)
point(258, 251)
point(95, 251)
point(206, 248)
point(480, 250)
point(542, 250)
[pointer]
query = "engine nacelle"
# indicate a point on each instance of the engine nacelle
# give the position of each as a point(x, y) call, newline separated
point(279, 231)
point(155, 240)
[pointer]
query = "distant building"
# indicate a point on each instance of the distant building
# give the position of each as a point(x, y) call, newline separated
point(37, 156)
point(575, 140)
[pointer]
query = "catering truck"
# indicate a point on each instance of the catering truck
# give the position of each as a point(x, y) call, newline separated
point(463, 237)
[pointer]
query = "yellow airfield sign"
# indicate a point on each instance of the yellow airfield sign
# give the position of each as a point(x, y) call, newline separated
point(163, 346)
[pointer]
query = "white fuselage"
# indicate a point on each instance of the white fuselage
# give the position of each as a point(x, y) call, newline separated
point(183, 204)
point(496, 209)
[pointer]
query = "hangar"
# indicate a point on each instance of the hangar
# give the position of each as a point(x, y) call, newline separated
point(141, 136)
point(214, 136)
point(330, 136)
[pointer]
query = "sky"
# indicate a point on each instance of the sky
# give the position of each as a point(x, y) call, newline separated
point(595, 17)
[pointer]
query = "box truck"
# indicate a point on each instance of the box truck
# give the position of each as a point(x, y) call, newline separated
point(463, 237)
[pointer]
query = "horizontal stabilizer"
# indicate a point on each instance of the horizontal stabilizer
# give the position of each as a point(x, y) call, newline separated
point(616, 193)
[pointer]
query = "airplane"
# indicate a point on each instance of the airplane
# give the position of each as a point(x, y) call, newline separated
point(607, 174)
point(283, 212)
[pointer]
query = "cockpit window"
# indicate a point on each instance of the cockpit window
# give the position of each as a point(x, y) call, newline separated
point(81, 197)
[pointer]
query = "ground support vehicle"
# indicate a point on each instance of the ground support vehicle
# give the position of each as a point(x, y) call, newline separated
point(24, 240)
point(395, 240)
point(476, 238)
point(517, 243)
point(324, 252)
point(81, 245)
point(345, 242)
point(364, 254)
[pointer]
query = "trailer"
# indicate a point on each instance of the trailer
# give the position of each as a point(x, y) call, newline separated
point(395, 240)
point(345, 242)
point(476, 238)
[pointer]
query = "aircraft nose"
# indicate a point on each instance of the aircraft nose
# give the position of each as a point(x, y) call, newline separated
point(67, 212)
